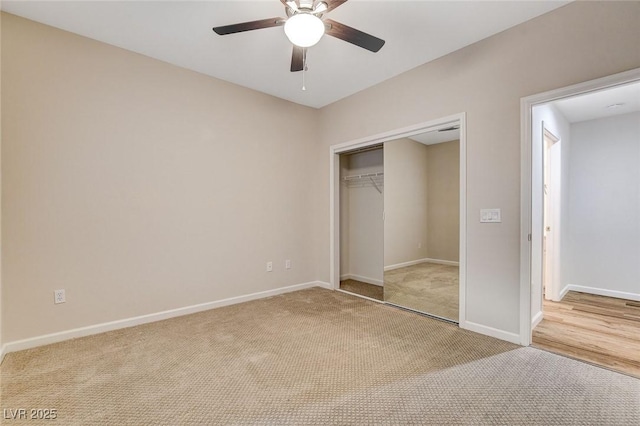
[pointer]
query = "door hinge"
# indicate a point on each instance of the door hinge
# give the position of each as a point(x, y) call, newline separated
point(529, 237)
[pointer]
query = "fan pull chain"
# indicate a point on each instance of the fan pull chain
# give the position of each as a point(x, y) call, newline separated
point(304, 67)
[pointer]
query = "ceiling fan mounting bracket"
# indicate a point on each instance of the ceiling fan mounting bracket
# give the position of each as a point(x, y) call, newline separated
point(317, 9)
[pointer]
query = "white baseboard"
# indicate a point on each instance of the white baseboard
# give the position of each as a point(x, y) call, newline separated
point(536, 319)
point(419, 261)
point(443, 262)
point(493, 332)
point(144, 319)
point(2, 352)
point(322, 284)
point(603, 292)
point(362, 279)
point(563, 293)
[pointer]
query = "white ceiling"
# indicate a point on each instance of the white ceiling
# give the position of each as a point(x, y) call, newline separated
point(437, 136)
point(603, 103)
point(179, 32)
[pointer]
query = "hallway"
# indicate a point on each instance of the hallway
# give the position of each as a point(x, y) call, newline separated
point(601, 330)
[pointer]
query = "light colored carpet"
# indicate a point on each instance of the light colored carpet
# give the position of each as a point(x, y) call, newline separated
point(431, 288)
point(313, 357)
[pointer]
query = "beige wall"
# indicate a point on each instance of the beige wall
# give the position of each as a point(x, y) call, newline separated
point(406, 181)
point(140, 187)
point(578, 42)
point(443, 201)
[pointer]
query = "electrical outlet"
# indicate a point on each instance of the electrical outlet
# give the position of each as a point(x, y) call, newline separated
point(287, 264)
point(58, 296)
point(269, 266)
point(419, 245)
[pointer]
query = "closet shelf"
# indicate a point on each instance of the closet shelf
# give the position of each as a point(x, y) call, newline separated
point(367, 179)
point(363, 176)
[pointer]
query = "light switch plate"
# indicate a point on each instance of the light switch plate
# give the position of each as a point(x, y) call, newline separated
point(490, 216)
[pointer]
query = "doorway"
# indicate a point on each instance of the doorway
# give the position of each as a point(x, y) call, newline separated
point(337, 153)
point(581, 278)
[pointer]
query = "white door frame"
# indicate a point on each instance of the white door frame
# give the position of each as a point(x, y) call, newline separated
point(526, 167)
point(334, 195)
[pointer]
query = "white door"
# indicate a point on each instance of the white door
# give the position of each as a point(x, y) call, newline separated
point(552, 208)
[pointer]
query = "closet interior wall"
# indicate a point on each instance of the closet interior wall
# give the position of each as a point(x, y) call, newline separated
point(361, 221)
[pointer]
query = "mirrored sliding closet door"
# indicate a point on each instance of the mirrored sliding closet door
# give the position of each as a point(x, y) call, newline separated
point(422, 222)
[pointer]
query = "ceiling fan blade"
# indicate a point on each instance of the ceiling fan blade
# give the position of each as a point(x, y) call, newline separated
point(297, 59)
point(353, 36)
point(332, 4)
point(249, 26)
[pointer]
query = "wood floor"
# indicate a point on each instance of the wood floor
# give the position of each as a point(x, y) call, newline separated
point(597, 329)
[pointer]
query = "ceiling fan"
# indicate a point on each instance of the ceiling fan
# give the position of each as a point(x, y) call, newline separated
point(305, 25)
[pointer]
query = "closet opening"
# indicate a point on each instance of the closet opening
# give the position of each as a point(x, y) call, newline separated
point(398, 218)
point(361, 221)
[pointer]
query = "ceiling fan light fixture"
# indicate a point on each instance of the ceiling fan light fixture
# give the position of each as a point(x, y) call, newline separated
point(304, 29)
